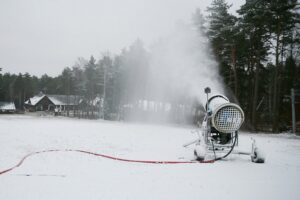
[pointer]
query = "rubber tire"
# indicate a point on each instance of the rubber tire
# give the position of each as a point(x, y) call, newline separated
point(257, 158)
point(198, 158)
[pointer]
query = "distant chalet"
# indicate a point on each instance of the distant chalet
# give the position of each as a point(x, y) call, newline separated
point(7, 107)
point(46, 102)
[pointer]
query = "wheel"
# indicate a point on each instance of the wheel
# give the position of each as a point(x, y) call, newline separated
point(257, 156)
point(199, 152)
point(197, 157)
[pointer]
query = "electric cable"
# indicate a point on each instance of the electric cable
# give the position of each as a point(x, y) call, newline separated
point(229, 152)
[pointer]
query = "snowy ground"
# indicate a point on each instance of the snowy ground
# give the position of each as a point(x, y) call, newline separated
point(71, 175)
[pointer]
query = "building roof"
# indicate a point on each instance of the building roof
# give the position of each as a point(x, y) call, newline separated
point(34, 100)
point(7, 105)
point(58, 100)
point(64, 99)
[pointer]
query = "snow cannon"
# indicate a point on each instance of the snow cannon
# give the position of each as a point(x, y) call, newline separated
point(218, 135)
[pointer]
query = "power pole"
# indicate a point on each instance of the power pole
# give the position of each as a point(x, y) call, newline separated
point(293, 110)
point(104, 91)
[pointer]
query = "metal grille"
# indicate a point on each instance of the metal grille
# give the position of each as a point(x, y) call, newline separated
point(228, 118)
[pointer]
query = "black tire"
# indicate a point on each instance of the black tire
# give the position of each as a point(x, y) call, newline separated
point(197, 157)
point(257, 158)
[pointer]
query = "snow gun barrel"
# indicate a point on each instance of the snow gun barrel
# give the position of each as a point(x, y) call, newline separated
point(225, 117)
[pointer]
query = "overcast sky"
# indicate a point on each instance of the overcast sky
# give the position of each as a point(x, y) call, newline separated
point(44, 36)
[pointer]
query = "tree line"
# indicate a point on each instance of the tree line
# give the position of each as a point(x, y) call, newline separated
point(258, 54)
point(257, 51)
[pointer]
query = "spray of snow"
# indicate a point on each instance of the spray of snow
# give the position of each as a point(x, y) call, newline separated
point(182, 65)
point(170, 84)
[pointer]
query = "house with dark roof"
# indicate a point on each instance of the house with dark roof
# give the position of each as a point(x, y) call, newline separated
point(7, 107)
point(43, 102)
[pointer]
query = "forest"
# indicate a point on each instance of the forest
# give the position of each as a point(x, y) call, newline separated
point(257, 52)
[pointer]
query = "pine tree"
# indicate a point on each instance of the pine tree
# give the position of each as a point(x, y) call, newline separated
point(221, 32)
point(254, 17)
point(91, 84)
point(91, 78)
point(282, 20)
point(105, 76)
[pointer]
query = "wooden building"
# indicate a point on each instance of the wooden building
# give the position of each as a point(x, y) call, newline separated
point(7, 107)
point(51, 102)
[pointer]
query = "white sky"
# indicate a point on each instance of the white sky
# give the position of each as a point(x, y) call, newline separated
point(44, 36)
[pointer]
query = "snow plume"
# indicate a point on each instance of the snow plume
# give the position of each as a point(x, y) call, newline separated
point(182, 65)
point(170, 85)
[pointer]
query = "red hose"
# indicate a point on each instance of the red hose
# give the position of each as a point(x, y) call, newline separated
point(104, 156)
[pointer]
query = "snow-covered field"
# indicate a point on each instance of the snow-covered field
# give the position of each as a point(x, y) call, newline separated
point(72, 175)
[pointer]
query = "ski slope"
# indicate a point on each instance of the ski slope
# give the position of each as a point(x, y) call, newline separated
point(72, 175)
